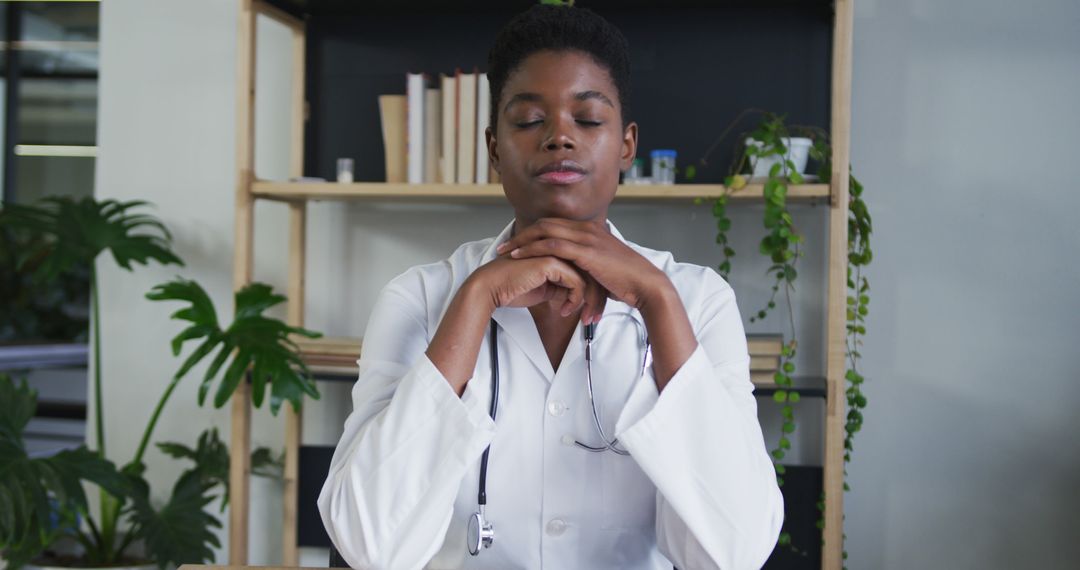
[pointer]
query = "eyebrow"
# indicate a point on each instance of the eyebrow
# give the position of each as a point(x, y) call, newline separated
point(581, 96)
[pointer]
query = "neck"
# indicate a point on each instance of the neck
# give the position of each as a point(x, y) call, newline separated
point(523, 222)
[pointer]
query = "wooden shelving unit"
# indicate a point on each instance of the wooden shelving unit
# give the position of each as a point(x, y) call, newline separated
point(301, 191)
point(298, 194)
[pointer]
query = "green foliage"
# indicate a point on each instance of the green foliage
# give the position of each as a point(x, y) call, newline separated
point(261, 344)
point(781, 246)
point(76, 231)
point(41, 499)
point(211, 459)
point(35, 310)
point(180, 531)
point(566, 3)
point(40, 496)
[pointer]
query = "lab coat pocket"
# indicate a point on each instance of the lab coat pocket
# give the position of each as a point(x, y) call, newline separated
point(629, 496)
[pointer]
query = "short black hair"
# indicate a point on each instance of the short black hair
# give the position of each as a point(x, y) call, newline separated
point(559, 28)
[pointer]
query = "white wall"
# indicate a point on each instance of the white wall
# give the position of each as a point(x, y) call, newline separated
point(964, 124)
point(959, 115)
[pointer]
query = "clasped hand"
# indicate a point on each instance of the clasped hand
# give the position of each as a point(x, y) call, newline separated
point(571, 266)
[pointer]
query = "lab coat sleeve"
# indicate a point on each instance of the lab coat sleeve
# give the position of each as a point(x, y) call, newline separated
point(700, 442)
point(388, 498)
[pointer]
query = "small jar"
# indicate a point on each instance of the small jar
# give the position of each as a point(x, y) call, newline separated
point(663, 166)
point(345, 170)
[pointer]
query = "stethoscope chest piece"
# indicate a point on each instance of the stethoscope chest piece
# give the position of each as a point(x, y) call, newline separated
point(481, 534)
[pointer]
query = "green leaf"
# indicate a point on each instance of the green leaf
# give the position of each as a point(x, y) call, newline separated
point(254, 342)
point(180, 532)
point(78, 230)
point(780, 396)
point(794, 397)
point(17, 406)
point(37, 495)
point(265, 464)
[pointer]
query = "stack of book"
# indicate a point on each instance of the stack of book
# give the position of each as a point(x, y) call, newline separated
point(764, 357)
point(435, 132)
point(329, 354)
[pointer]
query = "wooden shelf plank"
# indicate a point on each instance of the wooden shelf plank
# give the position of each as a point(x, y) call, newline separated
point(805, 386)
point(384, 191)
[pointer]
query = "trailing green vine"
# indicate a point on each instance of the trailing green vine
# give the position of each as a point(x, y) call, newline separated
point(781, 246)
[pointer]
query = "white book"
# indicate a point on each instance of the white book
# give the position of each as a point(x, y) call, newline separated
point(414, 93)
point(483, 109)
point(448, 156)
point(466, 164)
point(432, 136)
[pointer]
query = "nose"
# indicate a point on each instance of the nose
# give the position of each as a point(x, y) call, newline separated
point(559, 134)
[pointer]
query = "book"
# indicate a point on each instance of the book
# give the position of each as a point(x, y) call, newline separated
point(432, 134)
point(765, 344)
point(448, 154)
point(483, 109)
point(763, 378)
point(392, 111)
point(415, 92)
point(466, 147)
point(328, 345)
point(764, 363)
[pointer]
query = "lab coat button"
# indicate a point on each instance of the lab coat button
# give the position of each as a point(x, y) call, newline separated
point(556, 408)
point(556, 527)
point(568, 440)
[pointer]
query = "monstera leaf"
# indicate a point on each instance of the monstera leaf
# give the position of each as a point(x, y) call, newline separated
point(36, 493)
point(254, 342)
point(76, 231)
point(180, 531)
point(211, 458)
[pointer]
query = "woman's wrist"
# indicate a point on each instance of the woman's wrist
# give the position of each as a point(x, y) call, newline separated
point(455, 346)
point(478, 294)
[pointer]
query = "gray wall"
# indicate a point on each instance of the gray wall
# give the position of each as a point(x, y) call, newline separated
point(963, 133)
point(964, 124)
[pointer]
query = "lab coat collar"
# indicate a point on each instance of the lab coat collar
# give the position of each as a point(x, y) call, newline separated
point(518, 323)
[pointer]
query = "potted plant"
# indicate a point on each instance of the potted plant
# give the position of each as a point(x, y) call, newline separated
point(770, 144)
point(41, 499)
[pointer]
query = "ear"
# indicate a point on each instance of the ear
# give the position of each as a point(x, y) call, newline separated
point(629, 147)
point(493, 149)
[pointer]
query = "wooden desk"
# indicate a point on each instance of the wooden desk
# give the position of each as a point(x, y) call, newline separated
point(211, 567)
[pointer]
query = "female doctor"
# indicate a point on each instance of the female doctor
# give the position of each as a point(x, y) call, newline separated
point(625, 432)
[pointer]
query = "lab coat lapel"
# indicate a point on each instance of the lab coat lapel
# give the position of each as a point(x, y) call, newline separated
point(516, 322)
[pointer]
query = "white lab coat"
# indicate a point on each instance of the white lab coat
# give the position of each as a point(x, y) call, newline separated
point(698, 490)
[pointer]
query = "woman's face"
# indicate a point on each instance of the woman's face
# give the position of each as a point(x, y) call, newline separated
point(560, 111)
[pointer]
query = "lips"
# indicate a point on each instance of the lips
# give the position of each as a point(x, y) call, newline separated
point(561, 172)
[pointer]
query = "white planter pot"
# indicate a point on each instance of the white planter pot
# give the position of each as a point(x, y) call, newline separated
point(798, 152)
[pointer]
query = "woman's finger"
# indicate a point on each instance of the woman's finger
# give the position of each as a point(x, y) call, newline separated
point(543, 229)
point(561, 248)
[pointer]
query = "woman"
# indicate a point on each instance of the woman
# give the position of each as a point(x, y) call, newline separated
point(680, 475)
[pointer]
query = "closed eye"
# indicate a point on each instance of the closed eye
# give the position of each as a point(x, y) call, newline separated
point(583, 122)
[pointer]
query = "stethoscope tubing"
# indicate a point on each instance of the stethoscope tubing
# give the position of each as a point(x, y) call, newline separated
point(479, 518)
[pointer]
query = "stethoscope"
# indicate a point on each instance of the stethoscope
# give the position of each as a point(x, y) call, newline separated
point(480, 533)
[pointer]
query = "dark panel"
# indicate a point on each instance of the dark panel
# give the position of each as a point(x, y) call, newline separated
point(313, 468)
point(802, 490)
point(693, 69)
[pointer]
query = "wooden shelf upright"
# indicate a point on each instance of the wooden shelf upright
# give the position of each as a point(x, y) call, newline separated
point(296, 195)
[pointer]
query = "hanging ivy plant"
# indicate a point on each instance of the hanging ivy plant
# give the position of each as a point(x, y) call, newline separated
point(781, 245)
